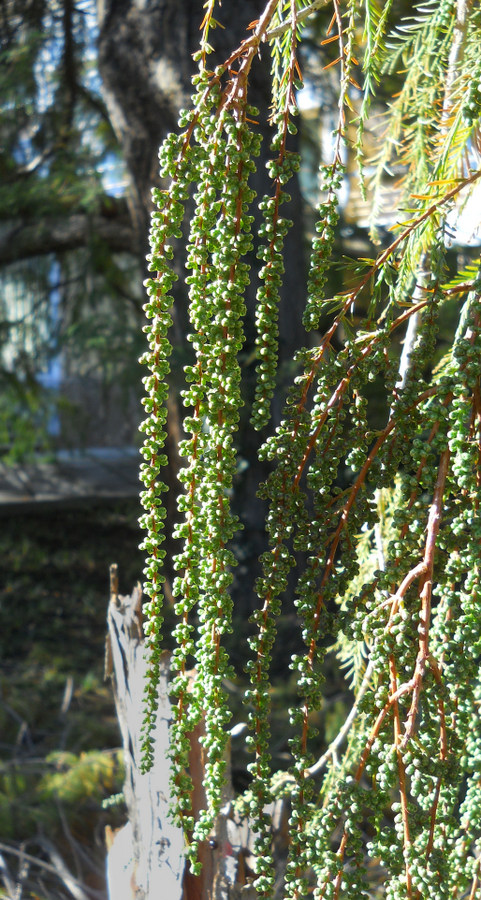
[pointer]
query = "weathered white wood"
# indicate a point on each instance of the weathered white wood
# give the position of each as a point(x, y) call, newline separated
point(145, 858)
point(145, 861)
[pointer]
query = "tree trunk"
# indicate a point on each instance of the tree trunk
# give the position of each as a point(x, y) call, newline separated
point(145, 858)
point(145, 62)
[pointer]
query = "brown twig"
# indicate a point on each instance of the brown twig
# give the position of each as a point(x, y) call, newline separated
point(443, 753)
point(434, 522)
point(403, 793)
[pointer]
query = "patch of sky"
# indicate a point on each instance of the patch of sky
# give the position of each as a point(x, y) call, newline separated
point(47, 72)
point(464, 218)
point(318, 136)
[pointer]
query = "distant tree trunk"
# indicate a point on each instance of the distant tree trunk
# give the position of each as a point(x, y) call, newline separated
point(145, 61)
point(145, 858)
point(145, 65)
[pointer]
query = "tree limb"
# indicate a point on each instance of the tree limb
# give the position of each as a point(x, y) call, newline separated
point(21, 240)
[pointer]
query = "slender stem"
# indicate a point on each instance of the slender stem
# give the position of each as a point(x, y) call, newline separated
point(443, 754)
point(475, 884)
point(342, 733)
point(413, 323)
point(401, 776)
point(301, 16)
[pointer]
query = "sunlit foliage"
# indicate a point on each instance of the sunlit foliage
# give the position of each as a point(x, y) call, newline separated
point(379, 527)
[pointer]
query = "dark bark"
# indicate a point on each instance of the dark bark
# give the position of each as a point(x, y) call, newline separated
point(70, 75)
point(145, 64)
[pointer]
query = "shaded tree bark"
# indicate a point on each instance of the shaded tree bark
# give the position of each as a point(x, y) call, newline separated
point(145, 65)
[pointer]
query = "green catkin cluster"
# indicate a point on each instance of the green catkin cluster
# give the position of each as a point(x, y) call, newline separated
point(273, 230)
point(431, 764)
point(471, 108)
point(331, 176)
point(469, 84)
point(166, 226)
point(322, 243)
point(276, 566)
point(377, 526)
point(220, 237)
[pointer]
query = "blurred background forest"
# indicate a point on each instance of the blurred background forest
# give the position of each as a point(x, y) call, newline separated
point(87, 93)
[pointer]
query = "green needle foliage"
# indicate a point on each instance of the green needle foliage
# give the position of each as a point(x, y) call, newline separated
point(378, 527)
